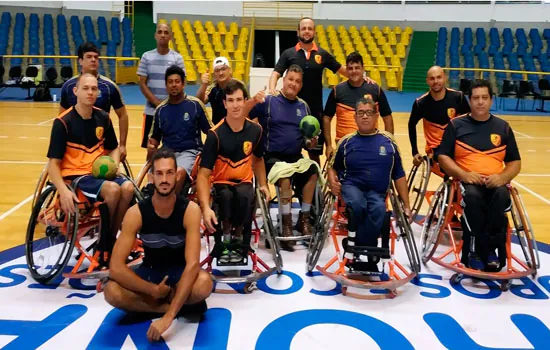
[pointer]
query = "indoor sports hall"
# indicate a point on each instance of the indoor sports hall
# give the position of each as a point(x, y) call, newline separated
point(304, 299)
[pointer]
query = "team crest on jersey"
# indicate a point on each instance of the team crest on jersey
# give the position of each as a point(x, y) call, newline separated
point(496, 140)
point(99, 132)
point(382, 151)
point(368, 96)
point(247, 147)
point(451, 112)
point(298, 112)
point(186, 117)
point(318, 59)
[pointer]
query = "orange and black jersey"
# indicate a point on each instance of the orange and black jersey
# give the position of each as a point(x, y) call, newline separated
point(481, 147)
point(78, 141)
point(229, 154)
point(342, 100)
point(435, 116)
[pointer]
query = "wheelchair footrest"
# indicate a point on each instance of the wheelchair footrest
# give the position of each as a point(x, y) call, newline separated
point(243, 262)
point(293, 238)
point(383, 253)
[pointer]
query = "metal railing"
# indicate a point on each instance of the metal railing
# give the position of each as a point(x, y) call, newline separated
point(123, 74)
point(482, 70)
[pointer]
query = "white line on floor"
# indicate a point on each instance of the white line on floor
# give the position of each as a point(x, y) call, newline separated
point(532, 192)
point(5, 137)
point(522, 134)
point(531, 150)
point(46, 121)
point(19, 205)
point(23, 137)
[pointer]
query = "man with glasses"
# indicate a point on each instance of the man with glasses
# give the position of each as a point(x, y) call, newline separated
point(361, 172)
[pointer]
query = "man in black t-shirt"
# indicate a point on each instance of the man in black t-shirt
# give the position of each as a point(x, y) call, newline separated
point(230, 166)
point(79, 136)
point(170, 280)
point(313, 60)
point(435, 108)
point(480, 150)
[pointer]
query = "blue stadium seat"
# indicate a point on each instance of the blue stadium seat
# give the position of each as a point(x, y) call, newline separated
point(102, 30)
point(115, 30)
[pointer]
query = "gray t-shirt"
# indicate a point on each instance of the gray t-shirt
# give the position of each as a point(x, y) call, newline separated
point(153, 66)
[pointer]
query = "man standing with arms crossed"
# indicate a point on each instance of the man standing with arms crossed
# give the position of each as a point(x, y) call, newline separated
point(313, 60)
point(151, 70)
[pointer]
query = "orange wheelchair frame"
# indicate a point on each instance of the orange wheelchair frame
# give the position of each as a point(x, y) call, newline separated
point(86, 221)
point(398, 274)
point(438, 224)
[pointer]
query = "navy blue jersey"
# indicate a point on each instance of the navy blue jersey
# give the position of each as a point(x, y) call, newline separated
point(368, 162)
point(280, 119)
point(108, 95)
point(179, 126)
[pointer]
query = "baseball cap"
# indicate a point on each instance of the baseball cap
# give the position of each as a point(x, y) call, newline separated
point(220, 61)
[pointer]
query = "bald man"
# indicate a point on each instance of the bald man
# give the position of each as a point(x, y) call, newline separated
point(151, 70)
point(436, 108)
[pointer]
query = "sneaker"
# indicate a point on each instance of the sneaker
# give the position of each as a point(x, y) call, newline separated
point(235, 256)
point(474, 262)
point(493, 263)
point(224, 258)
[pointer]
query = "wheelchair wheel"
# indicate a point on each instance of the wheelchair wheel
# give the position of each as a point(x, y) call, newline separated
point(141, 179)
point(321, 232)
point(138, 195)
point(435, 218)
point(405, 231)
point(42, 180)
point(270, 230)
point(127, 169)
point(417, 183)
point(50, 237)
point(524, 230)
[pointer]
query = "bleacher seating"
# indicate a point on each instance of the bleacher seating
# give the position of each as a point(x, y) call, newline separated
point(35, 39)
point(377, 47)
point(507, 50)
point(200, 43)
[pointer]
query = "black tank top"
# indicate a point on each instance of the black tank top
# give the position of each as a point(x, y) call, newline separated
point(163, 239)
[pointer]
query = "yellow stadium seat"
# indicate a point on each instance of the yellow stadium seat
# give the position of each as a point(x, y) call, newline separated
point(391, 79)
point(375, 29)
point(234, 28)
point(397, 30)
point(375, 75)
point(221, 28)
point(170, 45)
point(162, 21)
point(333, 79)
point(405, 39)
point(386, 30)
point(408, 30)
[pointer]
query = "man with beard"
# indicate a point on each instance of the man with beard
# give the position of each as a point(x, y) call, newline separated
point(280, 118)
point(435, 108)
point(213, 93)
point(343, 98)
point(313, 60)
point(480, 150)
point(151, 69)
point(361, 171)
point(233, 151)
point(169, 281)
point(178, 123)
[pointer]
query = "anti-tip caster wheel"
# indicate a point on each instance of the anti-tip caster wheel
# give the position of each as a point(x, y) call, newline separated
point(505, 285)
point(456, 278)
point(249, 287)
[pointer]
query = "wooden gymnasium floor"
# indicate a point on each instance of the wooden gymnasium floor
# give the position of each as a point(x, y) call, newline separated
point(25, 133)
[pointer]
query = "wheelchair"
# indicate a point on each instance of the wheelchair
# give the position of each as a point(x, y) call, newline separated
point(321, 209)
point(396, 227)
point(52, 235)
point(439, 225)
point(259, 268)
point(417, 183)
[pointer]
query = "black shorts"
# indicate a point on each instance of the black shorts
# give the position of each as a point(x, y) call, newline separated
point(146, 129)
point(299, 180)
point(156, 276)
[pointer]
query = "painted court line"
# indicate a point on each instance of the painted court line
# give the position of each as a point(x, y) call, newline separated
point(532, 192)
point(17, 206)
point(46, 121)
point(522, 134)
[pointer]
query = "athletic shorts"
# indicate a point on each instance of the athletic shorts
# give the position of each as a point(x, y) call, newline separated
point(186, 159)
point(156, 276)
point(146, 129)
point(91, 186)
